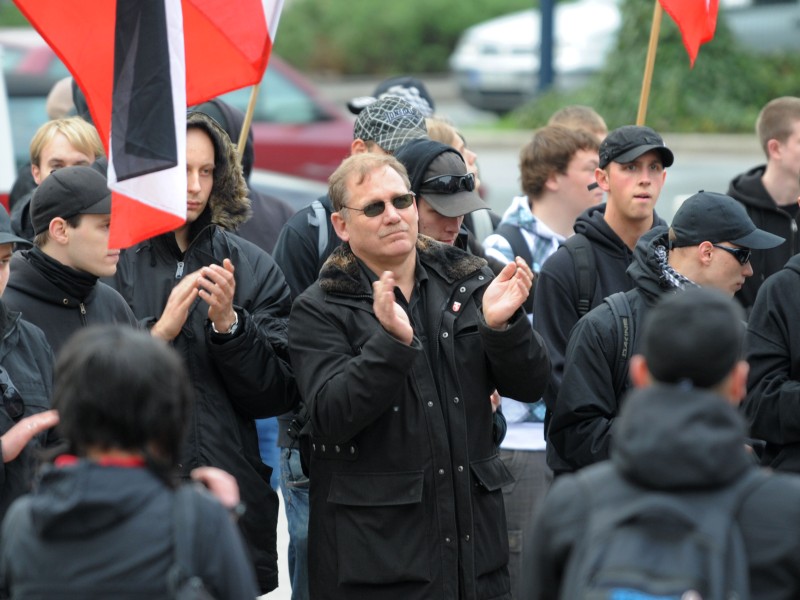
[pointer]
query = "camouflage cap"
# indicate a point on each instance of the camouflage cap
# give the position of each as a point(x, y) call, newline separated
point(390, 122)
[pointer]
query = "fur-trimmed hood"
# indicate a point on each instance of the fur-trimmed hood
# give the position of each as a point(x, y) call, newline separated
point(341, 273)
point(228, 204)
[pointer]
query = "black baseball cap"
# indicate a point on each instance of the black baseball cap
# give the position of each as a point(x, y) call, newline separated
point(410, 89)
point(713, 217)
point(695, 336)
point(7, 235)
point(68, 192)
point(626, 144)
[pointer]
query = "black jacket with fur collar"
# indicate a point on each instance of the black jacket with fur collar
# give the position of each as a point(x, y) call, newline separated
point(406, 497)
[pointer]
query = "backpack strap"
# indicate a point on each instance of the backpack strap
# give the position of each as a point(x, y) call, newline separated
point(319, 220)
point(519, 246)
point(582, 254)
point(623, 319)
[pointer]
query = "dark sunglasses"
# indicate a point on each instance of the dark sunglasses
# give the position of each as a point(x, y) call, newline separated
point(376, 208)
point(13, 403)
point(449, 184)
point(740, 254)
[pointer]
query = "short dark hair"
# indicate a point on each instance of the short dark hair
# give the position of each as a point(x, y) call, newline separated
point(40, 239)
point(696, 335)
point(119, 388)
point(360, 166)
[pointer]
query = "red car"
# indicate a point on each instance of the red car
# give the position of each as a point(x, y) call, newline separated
point(296, 131)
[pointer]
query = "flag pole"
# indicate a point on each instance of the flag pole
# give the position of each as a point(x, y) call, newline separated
point(248, 119)
point(649, 63)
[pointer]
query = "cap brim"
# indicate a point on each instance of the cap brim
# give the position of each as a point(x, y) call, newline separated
point(10, 238)
point(667, 158)
point(356, 105)
point(758, 239)
point(454, 205)
point(101, 207)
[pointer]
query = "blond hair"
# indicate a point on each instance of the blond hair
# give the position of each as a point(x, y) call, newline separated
point(81, 134)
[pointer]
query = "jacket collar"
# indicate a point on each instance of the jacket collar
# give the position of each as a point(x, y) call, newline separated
point(341, 273)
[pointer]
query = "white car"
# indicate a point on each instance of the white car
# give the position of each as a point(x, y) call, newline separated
point(496, 63)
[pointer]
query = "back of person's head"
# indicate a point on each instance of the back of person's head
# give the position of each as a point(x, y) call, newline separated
point(81, 134)
point(389, 123)
point(548, 153)
point(118, 388)
point(59, 103)
point(577, 116)
point(695, 337)
point(442, 131)
point(357, 168)
point(776, 120)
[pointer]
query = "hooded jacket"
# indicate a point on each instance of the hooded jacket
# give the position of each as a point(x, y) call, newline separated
point(27, 359)
point(748, 189)
point(582, 426)
point(92, 531)
point(772, 347)
point(405, 498)
point(56, 311)
point(237, 378)
point(555, 303)
point(677, 440)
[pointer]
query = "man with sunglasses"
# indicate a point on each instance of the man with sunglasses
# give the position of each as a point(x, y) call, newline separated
point(708, 245)
point(395, 351)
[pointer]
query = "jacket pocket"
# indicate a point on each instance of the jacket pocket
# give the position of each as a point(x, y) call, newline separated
point(381, 532)
point(489, 517)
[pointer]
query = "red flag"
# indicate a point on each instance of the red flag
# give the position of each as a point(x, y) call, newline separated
point(696, 19)
point(212, 47)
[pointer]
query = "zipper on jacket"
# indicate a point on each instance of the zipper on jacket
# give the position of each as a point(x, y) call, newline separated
point(179, 270)
point(83, 313)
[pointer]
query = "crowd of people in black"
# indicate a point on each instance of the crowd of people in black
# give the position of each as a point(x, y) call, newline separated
point(461, 415)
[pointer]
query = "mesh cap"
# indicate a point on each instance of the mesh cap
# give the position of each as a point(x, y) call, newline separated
point(390, 122)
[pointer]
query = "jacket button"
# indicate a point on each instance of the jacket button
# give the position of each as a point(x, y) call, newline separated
point(466, 538)
point(430, 403)
point(337, 448)
point(460, 469)
point(323, 447)
point(462, 289)
point(65, 301)
point(352, 449)
point(445, 334)
point(447, 540)
point(313, 446)
point(441, 471)
point(456, 400)
point(396, 408)
point(481, 277)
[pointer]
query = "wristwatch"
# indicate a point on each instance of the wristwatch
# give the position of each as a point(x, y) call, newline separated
point(232, 329)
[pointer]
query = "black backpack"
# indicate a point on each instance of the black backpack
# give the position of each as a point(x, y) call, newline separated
point(580, 248)
point(640, 544)
point(625, 338)
point(519, 246)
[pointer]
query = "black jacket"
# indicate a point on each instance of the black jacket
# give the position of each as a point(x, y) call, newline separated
point(772, 347)
point(582, 426)
point(28, 360)
point(56, 312)
point(555, 302)
point(678, 440)
point(406, 481)
point(236, 378)
point(107, 532)
point(748, 189)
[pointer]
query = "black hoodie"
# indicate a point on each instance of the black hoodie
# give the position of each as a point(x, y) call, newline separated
point(676, 440)
point(582, 426)
point(555, 302)
point(90, 531)
point(748, 189)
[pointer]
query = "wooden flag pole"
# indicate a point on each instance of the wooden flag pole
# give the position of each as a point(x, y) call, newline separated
point(649, 63)
point(248, 119)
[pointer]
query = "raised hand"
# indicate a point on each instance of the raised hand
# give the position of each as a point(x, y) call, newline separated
point(217, 287)
point(390, 314)
point(16, 438)
point(506, 293)
point(177, 309)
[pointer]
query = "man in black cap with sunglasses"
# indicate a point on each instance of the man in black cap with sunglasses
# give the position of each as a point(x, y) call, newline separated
point(708, 245)
point(395, 350)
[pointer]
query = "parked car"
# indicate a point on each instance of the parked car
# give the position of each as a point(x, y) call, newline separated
point(496, 63)
point(295, 130)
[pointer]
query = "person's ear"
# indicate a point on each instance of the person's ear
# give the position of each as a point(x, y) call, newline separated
point(36, 172)
point(340, 226)
point(58, 231)
point(358, 146)
point(705, 253)
point(602, 178)
point(737, 383)
point(638, 371)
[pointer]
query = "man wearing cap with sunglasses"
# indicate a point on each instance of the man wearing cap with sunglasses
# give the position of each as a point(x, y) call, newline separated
point(708, 245)
point(395, 350)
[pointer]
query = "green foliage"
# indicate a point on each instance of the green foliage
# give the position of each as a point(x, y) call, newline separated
point(10, 15)
point(369, 37)
point(722, 93)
